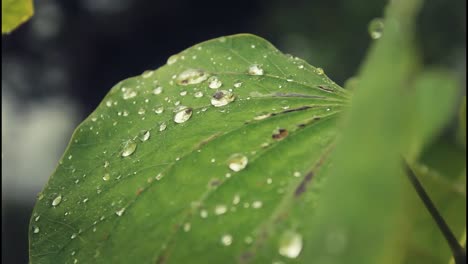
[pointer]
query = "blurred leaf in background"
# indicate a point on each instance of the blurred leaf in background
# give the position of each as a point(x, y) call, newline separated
point(15, 13)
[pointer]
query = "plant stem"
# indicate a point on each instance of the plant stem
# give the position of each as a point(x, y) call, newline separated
point(459, 253)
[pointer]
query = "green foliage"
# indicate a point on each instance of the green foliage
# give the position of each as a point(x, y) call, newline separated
point(268, 162)
point(15, 13)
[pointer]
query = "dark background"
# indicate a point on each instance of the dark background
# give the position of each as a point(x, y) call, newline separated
point(57, 67)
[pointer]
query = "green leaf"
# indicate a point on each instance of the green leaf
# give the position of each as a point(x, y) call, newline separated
point(361, 215)
point(15, 13)
point(136, 186)
point(462, 123)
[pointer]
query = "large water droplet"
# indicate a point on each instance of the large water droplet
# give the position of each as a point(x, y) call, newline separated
point(57, 200)
point(237, 162)
point(290, 244)
point(183, 115)
point(222, 98)
point(226, 240)
point(255, 69)
point(191, 76)
point(214, 82)
point(128, 148)
point(376, 27)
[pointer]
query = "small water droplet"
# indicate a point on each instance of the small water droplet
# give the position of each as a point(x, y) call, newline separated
point(237, 84)
point(203, 214)
point(183, 115)
point(129, 148)
point(297, 174)
point(36, 230)
point(262, 116)
point(85, 200)
point(198, 94)
point(106, 177)
point(236, 199)
point(187, 227)
point(172, 59)
point(191, 76)
point(57, 200)
point(237, 162)
point(226, 240)
point(141, 111)
point(159, 110)
point(376, 28)
point(109, 103)
point(120, 212)
point(144, 135)
point(319, 71)
point(73, 236)
point(300, 66)
point(220, 209)
point(257, 204)
point(279, 134)
point(128, 94)
point(158, 90)
point(248, 240)
point(269, 181)
point(222, 98)
point(147, 74)
point(252, 46)
point(290, 244)
point(106, 164)
point(37, 218)
point(214, 82)
point(255, 69)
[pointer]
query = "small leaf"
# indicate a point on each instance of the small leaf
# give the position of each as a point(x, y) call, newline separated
point(238, 133)
point(15, 13)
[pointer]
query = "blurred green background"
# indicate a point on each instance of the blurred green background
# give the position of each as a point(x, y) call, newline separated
point(58, 66)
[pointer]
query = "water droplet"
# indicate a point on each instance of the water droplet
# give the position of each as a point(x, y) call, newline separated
point(106, 164)
point(141, 111)
point(73, 236)
point(236, 199)
point(319, 71)
point(214, 82)
point(144, 135)
point(85, 200)
point(237, 162)
point(261, 117)
point(57, 200)
point(226, 240)
point(198, 94)
point(129, 93)
point(220, 209)
point(222, 98)
point(70, 157)
point(106, 177)
point(248, 240)
point(191, 76)
point(187, 227)
point(257, 204)
point(120, 212)
point(297, 174)
point(279, 134)
point(36, 230)
point(269, 181)
point(255, 69)
point(147, 74)
point(109, 103)
point(300, 66)
point(158, 90)
point(172, 59)
point(238, 84)
point(37, 218)
point(183, 115)
point(129, 148)
point(376, 27)
point(252, 46)
point(159, 110)
point(159, 177)
point(290, 244)
point(203, 214)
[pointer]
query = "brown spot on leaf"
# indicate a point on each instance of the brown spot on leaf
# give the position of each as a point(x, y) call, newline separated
point(280, 134)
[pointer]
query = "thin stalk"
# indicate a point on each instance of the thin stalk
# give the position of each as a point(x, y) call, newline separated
point(459, 253)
